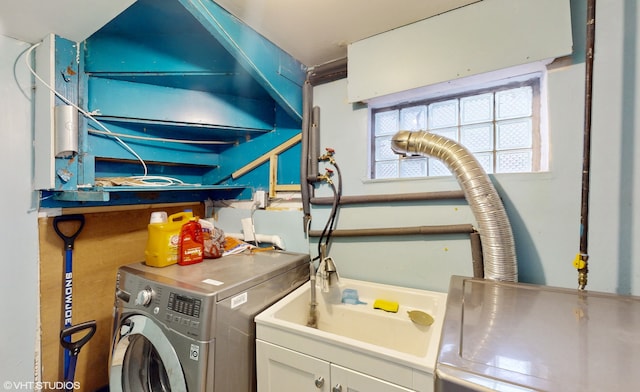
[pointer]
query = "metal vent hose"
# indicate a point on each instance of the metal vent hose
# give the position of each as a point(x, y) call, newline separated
point(498, 248)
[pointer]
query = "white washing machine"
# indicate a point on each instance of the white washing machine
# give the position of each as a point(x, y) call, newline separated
point(191, 328)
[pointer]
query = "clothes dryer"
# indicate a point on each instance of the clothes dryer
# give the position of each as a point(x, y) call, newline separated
point(520, 337)
point(191, 328)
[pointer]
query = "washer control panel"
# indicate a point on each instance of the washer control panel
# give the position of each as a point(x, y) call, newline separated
point(188, 306)
point(182, 311)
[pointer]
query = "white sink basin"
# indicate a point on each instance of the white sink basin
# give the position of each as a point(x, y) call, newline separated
point(361, 328)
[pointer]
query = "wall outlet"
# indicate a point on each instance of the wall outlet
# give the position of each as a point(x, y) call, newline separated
point(260, 199)
point(248, 229)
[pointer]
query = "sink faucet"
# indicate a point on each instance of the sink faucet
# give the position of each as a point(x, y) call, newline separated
point(327, 270)
point(328, 274)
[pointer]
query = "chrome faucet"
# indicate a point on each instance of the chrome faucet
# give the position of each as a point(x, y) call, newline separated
point(328, 274)
point(327, 271)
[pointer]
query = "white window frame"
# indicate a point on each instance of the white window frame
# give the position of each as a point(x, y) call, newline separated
point(530, 74)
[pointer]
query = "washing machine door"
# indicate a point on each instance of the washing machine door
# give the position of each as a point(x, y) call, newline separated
point(143, 359)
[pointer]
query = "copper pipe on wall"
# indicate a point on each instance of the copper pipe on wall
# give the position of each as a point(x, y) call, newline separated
point(314, 146)
point(583, 258)
point(328, 72)
point(391, 231)
point(476, 255)
point(324, 73)
point(476, 245)
point(399, 197)
point(305, 186)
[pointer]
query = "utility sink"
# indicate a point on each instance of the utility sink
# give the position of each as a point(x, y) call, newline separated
point(358, 331)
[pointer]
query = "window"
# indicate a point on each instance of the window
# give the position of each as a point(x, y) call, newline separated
point(499, 124)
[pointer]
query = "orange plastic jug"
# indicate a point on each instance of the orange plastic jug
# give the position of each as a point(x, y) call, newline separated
point(191, 243)
point(162, 244)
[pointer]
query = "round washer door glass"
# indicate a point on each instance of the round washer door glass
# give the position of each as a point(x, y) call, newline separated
point(141, 357)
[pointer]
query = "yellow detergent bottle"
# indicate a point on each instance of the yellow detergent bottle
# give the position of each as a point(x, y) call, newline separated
point(162, 244)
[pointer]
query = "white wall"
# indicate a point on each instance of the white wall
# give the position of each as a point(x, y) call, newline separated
point(19, 239)
point(544, 208)
point(283, 221)
point(471, 40)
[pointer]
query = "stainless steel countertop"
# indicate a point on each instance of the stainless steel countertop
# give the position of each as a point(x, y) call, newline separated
point(519, 337)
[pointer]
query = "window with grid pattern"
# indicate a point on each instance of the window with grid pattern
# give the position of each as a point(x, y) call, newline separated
point(499, 125)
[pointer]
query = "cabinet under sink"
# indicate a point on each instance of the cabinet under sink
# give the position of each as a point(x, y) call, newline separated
point(354, 347)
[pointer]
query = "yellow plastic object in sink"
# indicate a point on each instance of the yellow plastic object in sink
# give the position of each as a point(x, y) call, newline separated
point(387, 306)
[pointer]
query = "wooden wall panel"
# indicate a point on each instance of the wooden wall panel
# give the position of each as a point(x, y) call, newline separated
point(108, 240)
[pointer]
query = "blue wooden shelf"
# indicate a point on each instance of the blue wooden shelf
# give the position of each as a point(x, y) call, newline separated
point(191, 72)
point(131, 195)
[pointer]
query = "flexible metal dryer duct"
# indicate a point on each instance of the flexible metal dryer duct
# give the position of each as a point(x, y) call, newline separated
point(498, 247)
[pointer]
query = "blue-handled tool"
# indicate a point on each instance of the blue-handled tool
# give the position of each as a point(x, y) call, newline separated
point(73, 348)
point(67, 303)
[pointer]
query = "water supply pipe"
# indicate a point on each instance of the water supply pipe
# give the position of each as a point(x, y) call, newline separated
point(314, 145)
point(397, 197)
point(328, 72)
point(310, 140)
point(397, 231)
point(474, 237)
point(273, 239)
point(476, 255)
point(581, 260)
point(498, 247)
point(305, 187)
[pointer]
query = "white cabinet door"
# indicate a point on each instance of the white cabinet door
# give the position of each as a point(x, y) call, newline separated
point(347, 380)
point(283, 370)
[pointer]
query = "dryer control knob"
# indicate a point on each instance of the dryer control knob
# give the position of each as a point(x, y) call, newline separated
point(144, 297)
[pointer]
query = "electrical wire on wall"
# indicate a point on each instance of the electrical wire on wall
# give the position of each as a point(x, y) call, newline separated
point(145, 179)
point(156, 139)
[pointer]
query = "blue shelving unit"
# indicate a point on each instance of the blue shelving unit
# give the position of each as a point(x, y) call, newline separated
point(176, 70)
